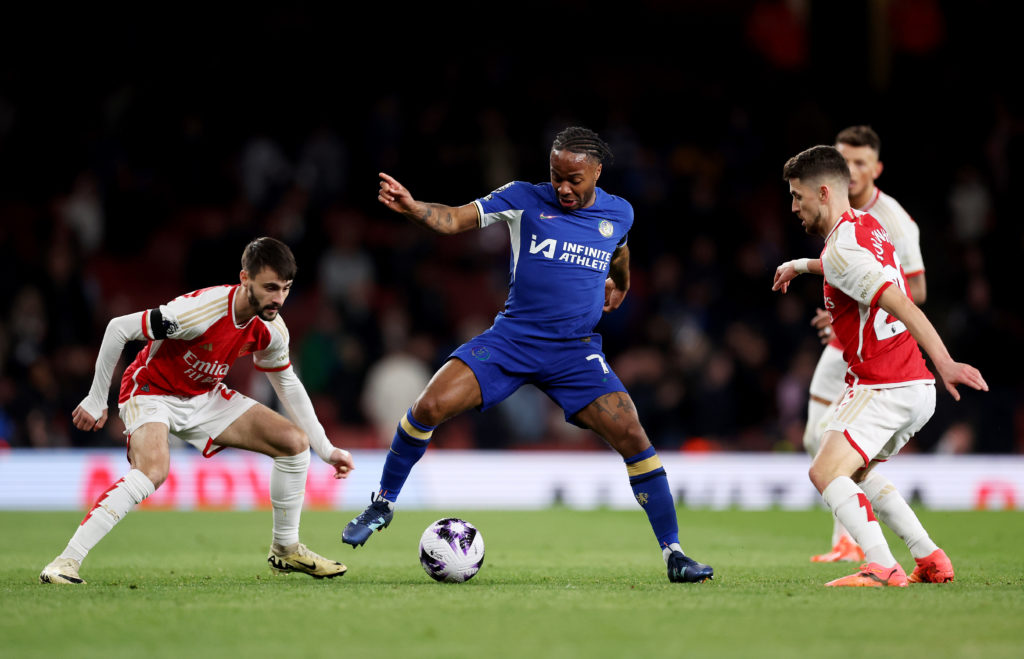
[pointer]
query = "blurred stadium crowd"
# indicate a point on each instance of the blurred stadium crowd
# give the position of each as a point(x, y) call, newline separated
point(129, 176)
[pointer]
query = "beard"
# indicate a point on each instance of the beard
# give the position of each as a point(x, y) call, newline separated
point(816, 226)
point(265, 312)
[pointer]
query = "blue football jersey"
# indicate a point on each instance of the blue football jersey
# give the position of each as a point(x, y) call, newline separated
point(559, 259)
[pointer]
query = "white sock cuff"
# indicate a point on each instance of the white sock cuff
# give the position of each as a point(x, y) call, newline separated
point(138, 486)
point(875, 484)
point(839, 490)
point(667, 551)
point(293, 463)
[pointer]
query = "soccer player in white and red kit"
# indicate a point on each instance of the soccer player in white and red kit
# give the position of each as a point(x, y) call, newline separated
point(175, 386)
point(890, 392)
point(861, 147)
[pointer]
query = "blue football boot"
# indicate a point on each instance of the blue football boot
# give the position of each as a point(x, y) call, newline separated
point(683, 569)
point(376, 517)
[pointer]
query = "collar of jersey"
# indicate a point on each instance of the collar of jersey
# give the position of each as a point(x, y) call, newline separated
point(848, 216)
point(231, 306)
point(874, 200)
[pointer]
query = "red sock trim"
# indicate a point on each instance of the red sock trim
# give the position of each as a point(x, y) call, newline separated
point(863, 502)
point(99, 499)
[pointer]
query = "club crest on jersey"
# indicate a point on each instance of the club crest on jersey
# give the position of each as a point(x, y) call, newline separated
point(246, 348)
point(605, 228)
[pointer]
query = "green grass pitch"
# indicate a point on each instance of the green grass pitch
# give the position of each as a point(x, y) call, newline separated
point(555, 583)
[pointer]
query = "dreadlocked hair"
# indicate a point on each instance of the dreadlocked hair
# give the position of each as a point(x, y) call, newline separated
point(583, 140)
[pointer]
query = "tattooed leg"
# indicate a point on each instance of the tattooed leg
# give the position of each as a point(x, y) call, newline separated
point(613, 416)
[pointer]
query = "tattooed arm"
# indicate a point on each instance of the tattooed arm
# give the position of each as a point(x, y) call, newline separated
point(436, 217)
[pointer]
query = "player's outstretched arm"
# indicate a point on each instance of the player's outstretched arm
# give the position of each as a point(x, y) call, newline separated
point(617, 284)
point(91, 413)
point(300, 408)
point(952, 373)
point(789, 270)
point(436, 217)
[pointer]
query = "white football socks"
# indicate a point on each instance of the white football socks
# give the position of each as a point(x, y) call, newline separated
point(853, 510)
point(813, 433)
point(667, 551)
point(108, 510)
point(287, 492)
point(893, 510)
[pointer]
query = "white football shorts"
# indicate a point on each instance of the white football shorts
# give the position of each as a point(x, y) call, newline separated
point(197, 420)
point(879, 422)
point(829, 379)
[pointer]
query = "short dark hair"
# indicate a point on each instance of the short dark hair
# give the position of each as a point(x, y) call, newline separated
point(860, 136)
point(269, 253)
point(816, 162)
point(582, 140)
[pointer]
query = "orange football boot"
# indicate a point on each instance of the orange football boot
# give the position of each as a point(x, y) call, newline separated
point(933, 568)
point(845, 550)
point(875, 576)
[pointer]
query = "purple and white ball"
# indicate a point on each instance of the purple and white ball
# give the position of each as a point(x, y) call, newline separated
point(451, 550)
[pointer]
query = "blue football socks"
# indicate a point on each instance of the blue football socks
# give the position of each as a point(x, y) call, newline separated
point(408, 446)
point(650, 487)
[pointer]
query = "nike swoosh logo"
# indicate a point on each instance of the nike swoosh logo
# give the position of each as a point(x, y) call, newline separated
point(548, 217)
point(306, 565)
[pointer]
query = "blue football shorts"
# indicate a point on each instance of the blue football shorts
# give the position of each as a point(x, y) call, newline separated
point(572, 372)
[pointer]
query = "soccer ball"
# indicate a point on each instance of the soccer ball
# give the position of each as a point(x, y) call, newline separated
point(451, 550)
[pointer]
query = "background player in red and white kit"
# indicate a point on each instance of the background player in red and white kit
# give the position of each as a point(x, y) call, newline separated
point(890, 392)
point(174, 386)
point(861, 147)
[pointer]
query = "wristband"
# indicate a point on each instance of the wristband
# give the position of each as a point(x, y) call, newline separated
point(800, 265)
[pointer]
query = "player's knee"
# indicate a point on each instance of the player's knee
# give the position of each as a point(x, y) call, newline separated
point(820, 475)
point(154, 463)
point(293, 441)
point(156, 473)
point(815, 475)
point(630, 440)
point(429, 409)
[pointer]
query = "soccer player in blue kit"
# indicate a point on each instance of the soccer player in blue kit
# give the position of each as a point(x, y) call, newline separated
point(569, 263)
